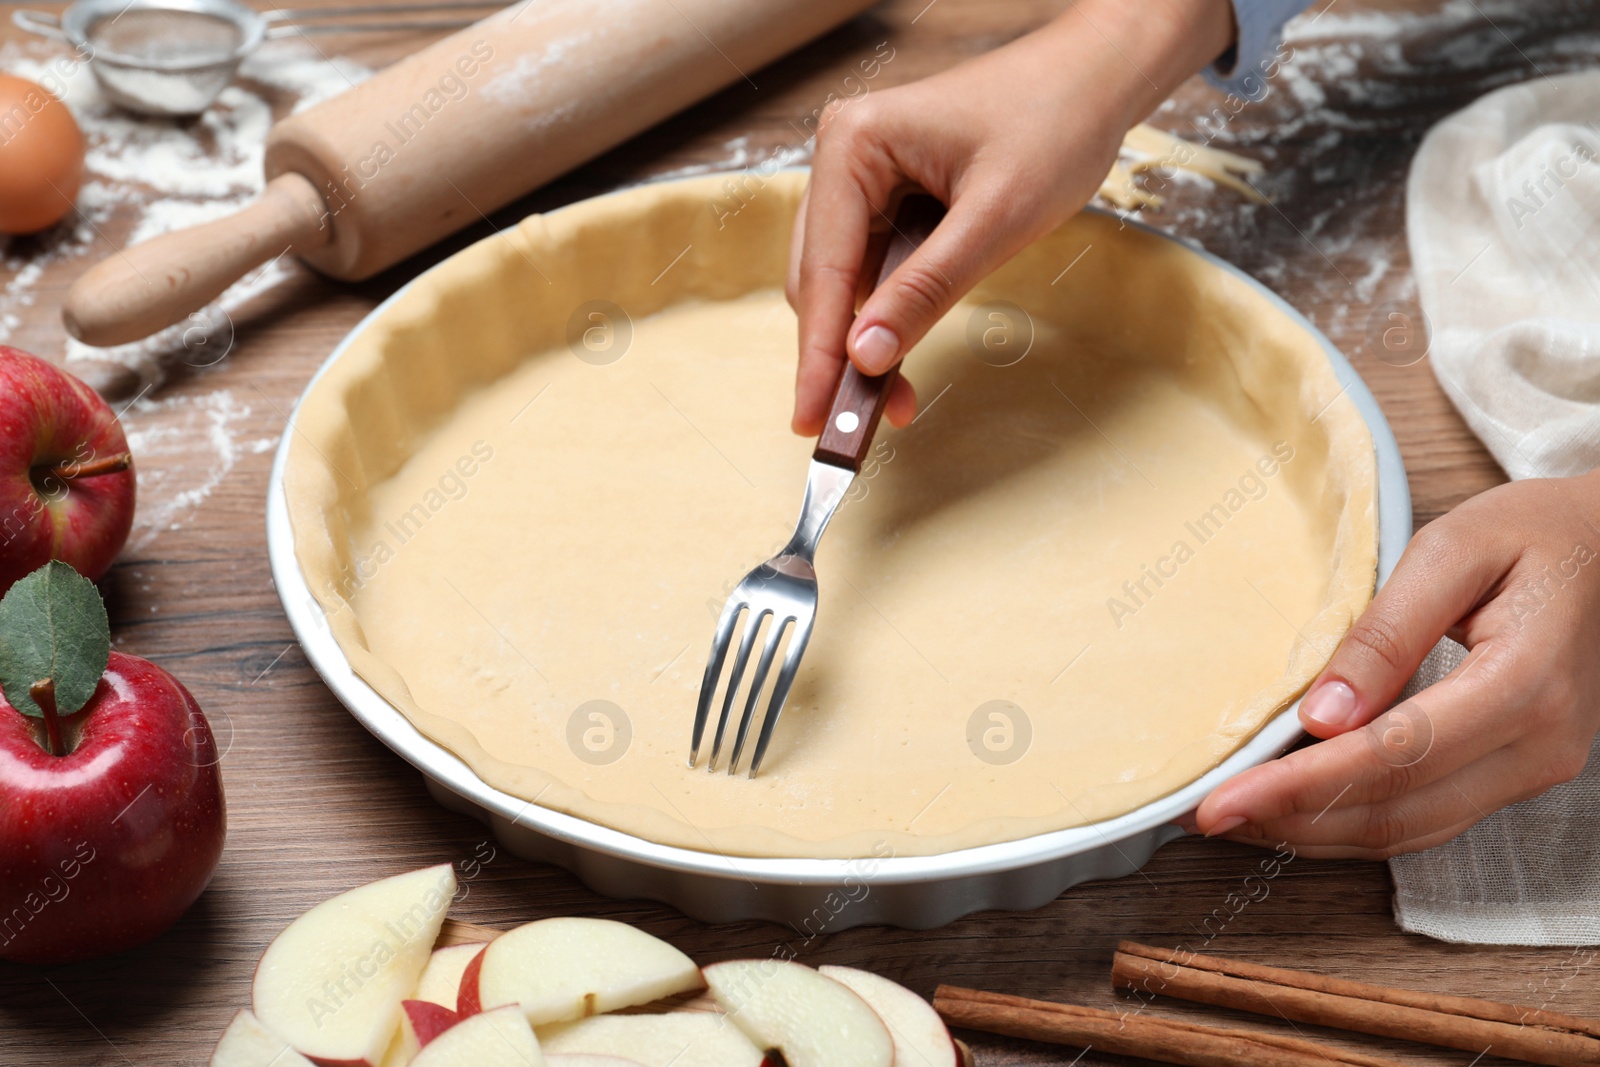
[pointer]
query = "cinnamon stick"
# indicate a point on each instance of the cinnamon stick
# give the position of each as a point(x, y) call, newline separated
point(1477, 1026)
point(1132, 1034)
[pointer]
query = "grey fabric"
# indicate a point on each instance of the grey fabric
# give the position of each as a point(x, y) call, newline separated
point(1527, 875)
point(1501, 207)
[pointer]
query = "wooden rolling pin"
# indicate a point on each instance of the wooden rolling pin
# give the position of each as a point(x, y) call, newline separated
point(445, 137)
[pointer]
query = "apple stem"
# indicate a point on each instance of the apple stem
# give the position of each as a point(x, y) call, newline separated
point(104, 465)
point(44, 695)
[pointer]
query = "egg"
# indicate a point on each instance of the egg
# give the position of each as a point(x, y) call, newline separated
point(41, 157)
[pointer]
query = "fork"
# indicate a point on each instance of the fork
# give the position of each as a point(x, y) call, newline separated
point(784, 588)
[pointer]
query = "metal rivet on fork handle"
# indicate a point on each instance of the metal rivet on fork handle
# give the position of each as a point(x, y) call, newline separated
point(781, 594)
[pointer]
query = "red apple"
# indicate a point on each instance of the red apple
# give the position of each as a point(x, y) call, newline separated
point(105, 847)
point(66, 477)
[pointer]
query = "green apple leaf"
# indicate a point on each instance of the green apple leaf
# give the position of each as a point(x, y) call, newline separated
point(53, 625)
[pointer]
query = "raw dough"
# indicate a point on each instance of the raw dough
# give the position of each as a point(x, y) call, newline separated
point(1145, 148)
point(1147, 533)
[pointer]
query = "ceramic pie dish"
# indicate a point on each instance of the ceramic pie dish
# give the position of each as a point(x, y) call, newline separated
point(1153, 499)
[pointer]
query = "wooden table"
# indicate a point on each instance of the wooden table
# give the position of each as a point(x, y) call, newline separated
point(317, 805)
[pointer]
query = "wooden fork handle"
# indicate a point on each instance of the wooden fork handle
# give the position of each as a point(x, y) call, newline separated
point(858, 405)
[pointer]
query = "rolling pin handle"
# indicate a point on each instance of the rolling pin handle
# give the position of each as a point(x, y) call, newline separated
point(154, 284)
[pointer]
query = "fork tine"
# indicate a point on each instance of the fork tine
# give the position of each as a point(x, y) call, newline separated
point(780, 690)
point(708, 684)
point(774, 637)
point(735, 674)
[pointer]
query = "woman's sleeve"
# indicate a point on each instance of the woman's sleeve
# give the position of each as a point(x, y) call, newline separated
point(1240, 70)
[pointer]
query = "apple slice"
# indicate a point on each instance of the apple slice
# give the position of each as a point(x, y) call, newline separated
point(467, 993)
point(332, 982)
point(583, 1059)
point(431, 1009)
point(246, 1043)
point(676, 1039)
point(811, 1020)
point(567, 968)
point(427, 1020)
point(498, 1038)
point(404, 1048)
point(441, 979)
point(919, 1035)
point(436, 990)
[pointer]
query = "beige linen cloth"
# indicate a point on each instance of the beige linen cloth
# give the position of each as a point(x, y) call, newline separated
point(1503, 219)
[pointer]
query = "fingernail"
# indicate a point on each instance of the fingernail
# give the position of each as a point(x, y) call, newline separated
point(1232, 822)
point(1331, 703)
point(876, 348)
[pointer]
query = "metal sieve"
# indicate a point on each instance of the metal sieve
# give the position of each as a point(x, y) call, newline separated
point(172, 57)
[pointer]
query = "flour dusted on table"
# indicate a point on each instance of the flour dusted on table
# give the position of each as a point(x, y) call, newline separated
point(1329, 129)
point(169, 175)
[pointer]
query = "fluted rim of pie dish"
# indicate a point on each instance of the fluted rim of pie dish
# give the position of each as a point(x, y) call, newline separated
point(389, 724)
